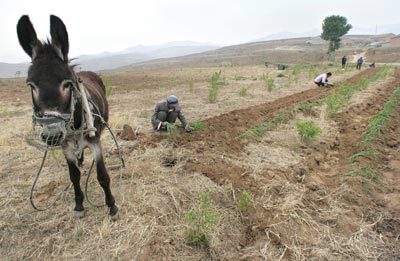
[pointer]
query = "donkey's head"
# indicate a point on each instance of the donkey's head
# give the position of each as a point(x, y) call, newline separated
point(50, 77)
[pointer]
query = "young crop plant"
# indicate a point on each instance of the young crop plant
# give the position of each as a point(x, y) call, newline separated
point(213, 93)
point(270, 84)
point(191, 86)
point(243, 92)
point(239, 78)
point(244, 201)
point(173, 131)
point(367, 175)
point(256, 132)
point(307, 130)
point(280, 118)
point(215, 83)
point(339, 99)
point(198, 125)
point(201, 220)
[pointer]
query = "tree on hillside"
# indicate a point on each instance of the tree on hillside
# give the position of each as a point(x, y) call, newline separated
point(333, 28)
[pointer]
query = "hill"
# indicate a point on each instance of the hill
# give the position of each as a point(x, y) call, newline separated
point(295, 50)
point(381, 48)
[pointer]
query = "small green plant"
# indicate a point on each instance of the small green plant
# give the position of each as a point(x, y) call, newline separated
point(243, 92)
point(244, 201)
point(213, 93)
point(173, 131)
point(190, 86)
point(280, 75)
point(198, 125)
point(256, 132)
point(215, 83)
point(270, 84)
point(280, 118)
point(239, 78)
point(107, 85)
point(264, 76)
point(201, 219)
point(308, 130)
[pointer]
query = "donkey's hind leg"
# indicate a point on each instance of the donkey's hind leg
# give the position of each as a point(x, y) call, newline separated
point(104, 179)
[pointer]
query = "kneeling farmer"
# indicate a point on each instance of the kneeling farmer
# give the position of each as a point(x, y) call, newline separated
point(166, 112)
point(322, 80)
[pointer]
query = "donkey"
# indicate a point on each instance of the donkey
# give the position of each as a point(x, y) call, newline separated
point(58, 107)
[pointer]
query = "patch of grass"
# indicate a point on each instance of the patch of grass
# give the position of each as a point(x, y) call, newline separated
point(306, 107)
point(280, 118)
point(370, 154)
point(377, 128)
point(364, 172)
point(239, 78)
point(255, 133)
point(307, 130)
point(280, 75)
point(198, 125)
point(243, 92)
point(339, 99)
point(244, 201)
point(201, 219)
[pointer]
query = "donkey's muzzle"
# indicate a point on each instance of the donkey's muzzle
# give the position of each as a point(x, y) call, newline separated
point(53, 134)
point(53, 130)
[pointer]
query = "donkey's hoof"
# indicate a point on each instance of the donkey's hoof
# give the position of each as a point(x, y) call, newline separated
point(79, 214)
point(113, 213)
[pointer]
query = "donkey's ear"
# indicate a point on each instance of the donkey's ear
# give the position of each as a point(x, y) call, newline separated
point(27, 36)
point(59, 37)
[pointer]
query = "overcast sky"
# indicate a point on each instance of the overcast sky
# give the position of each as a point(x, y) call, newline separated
point(95, 26)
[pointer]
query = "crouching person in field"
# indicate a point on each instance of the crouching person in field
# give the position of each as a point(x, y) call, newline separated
point(168, 111)
point(322, 80)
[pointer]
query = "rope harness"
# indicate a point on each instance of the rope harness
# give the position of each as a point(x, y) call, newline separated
point(44, 126)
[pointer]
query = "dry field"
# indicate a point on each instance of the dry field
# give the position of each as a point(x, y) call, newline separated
point(307, 200)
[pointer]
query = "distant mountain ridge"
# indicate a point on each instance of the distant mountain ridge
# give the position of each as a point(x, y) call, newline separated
point(156, 56)
point(112, 60)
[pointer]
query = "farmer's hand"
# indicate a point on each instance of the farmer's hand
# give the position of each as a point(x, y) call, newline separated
point(164, 123)
point(188, 128)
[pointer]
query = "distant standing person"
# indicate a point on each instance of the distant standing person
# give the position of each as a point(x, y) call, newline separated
point(168, 111)
point(344, 61)
point(322, 80)
point(359, 63)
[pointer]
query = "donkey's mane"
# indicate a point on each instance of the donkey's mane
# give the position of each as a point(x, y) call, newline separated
point(47, 50)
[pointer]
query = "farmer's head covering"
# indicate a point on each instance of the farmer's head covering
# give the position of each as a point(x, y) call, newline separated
point(173, 100)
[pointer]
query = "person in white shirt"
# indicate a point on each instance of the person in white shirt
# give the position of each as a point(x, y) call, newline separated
point(322, 80)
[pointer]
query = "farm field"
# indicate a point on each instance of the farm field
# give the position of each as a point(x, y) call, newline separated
point(261, 190)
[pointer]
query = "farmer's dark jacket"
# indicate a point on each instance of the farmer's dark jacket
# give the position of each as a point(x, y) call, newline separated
point(163, 106)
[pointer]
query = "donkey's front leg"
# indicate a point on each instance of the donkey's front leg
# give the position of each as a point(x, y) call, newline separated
point(75, 176)
point(104, 179)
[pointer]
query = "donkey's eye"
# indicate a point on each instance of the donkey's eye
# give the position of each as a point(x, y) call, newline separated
point(67, 85)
